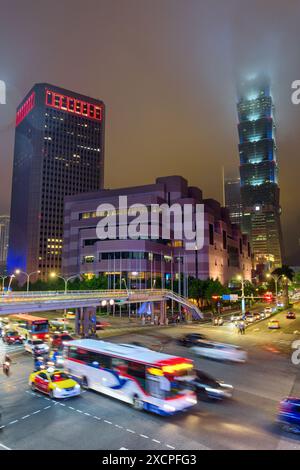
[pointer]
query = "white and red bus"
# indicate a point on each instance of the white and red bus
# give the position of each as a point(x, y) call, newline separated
point(30, 326)
point(146, 379)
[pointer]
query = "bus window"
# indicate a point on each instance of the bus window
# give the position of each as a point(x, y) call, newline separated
point(138, 371)
point(119, 365)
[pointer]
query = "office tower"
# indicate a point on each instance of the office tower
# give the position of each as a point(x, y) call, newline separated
point(259, 172)
point(232, 193)
point(59, 151)
point(4, 233)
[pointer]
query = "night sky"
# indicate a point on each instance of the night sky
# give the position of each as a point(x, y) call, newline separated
point(167, 71)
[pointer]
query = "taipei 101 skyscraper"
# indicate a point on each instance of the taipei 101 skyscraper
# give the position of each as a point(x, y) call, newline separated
point(259, 172)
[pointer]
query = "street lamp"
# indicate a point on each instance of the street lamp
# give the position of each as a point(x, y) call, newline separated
point(10, 281)
point(18, 271)
point(242, 281)
point(124, 280)
point(3, 282)
point(276, 278)
point(65, 279)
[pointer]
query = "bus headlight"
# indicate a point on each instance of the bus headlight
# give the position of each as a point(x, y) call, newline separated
point(191, 400)
point(169, 408)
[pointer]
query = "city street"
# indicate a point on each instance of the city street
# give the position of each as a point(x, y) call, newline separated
point(247, 421)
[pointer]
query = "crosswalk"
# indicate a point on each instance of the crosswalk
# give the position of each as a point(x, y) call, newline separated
point(9, 349)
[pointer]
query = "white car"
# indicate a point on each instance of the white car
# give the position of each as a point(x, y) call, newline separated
point(59, 322)
point(36, 346)
point(268, 310)
point(219, 351)
point(236, 317)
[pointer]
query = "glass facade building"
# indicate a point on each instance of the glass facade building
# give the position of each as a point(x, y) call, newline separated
point(232, 192)
point(59, 151)
point(259, 172)
point(4, 232)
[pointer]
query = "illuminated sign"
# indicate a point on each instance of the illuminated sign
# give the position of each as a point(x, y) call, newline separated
point(25, 108)
point(72, 105)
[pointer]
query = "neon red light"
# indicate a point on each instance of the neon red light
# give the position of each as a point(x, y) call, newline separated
point(25, 108)
point(71, 105)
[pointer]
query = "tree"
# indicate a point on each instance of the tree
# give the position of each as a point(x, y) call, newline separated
point(286, 274)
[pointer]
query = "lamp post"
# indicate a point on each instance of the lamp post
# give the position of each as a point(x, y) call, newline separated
point(65, 279)
point(276, 280)
point(242, 281)
point(18, 271)
point(3, 282)
point(10, 281)
point(124, 280)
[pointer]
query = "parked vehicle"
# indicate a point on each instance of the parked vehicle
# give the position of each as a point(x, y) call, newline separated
point(289, 414)
point(219, 351)
point(218, 321)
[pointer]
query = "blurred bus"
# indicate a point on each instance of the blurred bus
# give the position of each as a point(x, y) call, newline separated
point(30, 327)
point(146, 379)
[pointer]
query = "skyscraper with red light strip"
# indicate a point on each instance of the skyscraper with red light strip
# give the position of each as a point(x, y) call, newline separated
point(59, 151)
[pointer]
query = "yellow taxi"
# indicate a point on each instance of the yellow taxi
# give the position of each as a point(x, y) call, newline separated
point(273, 325)
point(70, 315)
point(55, 383)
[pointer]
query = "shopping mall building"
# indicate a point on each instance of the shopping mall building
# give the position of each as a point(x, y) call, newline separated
point(134, 262)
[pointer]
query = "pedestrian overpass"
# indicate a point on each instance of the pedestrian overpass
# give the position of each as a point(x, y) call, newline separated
point(31, 302)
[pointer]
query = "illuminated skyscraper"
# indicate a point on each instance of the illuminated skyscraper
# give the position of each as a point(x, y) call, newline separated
point(232, 192)
point(59, 151)
point(4, 231)
point(259, 172)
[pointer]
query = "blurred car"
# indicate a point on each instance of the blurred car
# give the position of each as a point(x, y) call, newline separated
point(219, 351)
point(36, 346)
point(208, 387)
point(273, 325)
point(250, 318)
point(289, 414)
point(268, 310)
point(100, 325)
point(262, 315)
point(58, 339)
point(256, 316)
point(218, 321)
point(236, 317)
point(191, 339)
point(12, 337)
point(291, 316)
point(59, 322)
point(55, 383)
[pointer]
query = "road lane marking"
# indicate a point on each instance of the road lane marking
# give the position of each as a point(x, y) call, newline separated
point(155, 440)
point(130, 430)
point(26, 416)
point(143, 435)
point(4, 447)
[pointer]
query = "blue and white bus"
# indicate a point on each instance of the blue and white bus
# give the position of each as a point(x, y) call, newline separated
point(146, 379)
